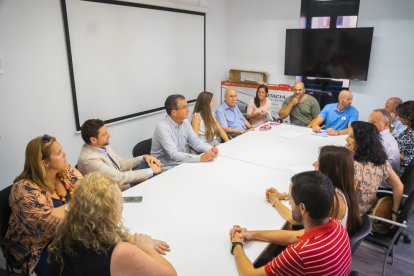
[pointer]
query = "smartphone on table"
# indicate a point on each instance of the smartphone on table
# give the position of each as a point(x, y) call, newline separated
point(132, 199)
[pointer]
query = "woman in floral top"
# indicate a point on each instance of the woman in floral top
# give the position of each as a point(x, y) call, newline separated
point(406, 139)
point(38, 197)
point(371, 167)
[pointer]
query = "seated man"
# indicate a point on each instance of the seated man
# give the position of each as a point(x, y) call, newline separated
point(381, 119)
point(174, 134)
point(396, 126)
point(229, 116)
point(302, 108)
point(323, 249)
point(337, 116)
point(97, 156)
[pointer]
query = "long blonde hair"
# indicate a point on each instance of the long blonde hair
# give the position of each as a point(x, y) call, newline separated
point(202, 107)
point(94, 219)
point(37, 150)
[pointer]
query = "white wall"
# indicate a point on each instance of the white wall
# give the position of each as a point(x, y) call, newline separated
point(257, 35)
point(391, 66)
point(35, 93)
point(257, 41)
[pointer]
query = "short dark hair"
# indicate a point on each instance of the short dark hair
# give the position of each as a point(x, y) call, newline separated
point(368, 144)
point(171, 102)
point(315, 191)
point(90, 128)
point(406, 111)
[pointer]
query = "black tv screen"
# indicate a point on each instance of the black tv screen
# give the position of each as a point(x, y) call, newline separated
point(328, 53)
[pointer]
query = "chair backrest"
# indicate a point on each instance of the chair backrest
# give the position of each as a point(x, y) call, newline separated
point(5, 210)
point(408, 178)
point(242, 106)
point(361, 233)
point(143, 147)
point(407, 208)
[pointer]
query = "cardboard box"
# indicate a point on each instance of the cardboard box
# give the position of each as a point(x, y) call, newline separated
point(246, 76)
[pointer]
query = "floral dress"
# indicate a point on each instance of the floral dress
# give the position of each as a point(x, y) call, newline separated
point(31, 222)
point(406, 145)
point(369, 177)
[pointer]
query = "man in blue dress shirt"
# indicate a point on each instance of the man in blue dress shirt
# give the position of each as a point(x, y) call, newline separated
point(381, 119)
point(396, 126)
point(337, 116)
point(174, 136)
point(229, 116)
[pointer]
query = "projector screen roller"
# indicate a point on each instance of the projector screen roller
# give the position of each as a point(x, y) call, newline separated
point(126, 58)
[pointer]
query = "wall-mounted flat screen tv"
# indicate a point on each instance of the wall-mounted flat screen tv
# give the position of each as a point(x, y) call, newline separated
point(328, 53)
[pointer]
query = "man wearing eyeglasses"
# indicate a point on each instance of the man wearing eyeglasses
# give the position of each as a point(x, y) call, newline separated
point(173, 136)
point(302, 108)
point(396, 126)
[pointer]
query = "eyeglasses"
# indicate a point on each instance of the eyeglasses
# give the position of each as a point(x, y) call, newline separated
point(45, 139)
point(183, 107)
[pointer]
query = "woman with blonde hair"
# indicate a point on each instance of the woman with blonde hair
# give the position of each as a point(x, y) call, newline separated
point(38, 199)
point(204, 121)
point(92, 240)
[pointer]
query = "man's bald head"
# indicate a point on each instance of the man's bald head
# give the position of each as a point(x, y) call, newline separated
point(345, 98)
point(230, 97)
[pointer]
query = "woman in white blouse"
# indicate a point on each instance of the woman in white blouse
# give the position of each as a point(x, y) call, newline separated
point(260, 107)
point(204, 122)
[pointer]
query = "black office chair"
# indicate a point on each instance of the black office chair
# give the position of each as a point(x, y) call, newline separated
point(16, 254)
point(243, 107)
point(363, 231)
point(389, 241)
point(143, 147)
point(408, 180)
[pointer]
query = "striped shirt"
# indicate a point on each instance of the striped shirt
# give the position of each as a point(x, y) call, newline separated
point(322, 250)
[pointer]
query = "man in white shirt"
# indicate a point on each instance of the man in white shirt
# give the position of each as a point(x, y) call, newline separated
point(173, 136)
point(97, 156)
point(381, 119)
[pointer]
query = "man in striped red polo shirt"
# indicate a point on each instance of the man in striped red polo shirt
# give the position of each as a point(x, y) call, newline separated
point(323, 249)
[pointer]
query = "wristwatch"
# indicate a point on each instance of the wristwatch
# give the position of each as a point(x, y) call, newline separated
point(233, 245)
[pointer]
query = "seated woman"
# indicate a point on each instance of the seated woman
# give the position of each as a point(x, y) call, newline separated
point(259, 107)
point(406, 139)
point(371, 167)
point(92, 240)
point(336, 163)
point(38, 199)
point(204, 121)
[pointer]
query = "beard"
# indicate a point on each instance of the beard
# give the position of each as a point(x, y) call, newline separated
point(296, 215)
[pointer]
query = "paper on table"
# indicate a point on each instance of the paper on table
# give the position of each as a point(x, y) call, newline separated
point(291, 135)
point(323, 133)
point(299, 169)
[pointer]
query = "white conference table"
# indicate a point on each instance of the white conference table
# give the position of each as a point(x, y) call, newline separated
point(278, 148)
point(194, 205)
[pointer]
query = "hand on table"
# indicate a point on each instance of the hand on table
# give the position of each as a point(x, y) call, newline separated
point(317, 129)
point(161, 247)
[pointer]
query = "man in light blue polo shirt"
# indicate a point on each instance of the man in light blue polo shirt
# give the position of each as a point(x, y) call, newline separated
point(337, 116)
point(229, 116)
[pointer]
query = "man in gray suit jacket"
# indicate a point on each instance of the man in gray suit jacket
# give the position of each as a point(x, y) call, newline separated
point(97, 156)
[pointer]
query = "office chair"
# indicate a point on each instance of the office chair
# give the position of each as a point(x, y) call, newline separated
point(143, 147)
point(408, 180)
point(362, 232)
point(389, 241)
point(15, 253)
point(243, 107)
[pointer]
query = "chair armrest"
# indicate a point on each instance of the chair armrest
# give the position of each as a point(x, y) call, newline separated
point(22, 252)
point(388, 192)
point(402, 225)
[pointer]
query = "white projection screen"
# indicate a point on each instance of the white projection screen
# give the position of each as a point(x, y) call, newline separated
point(126, 58)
